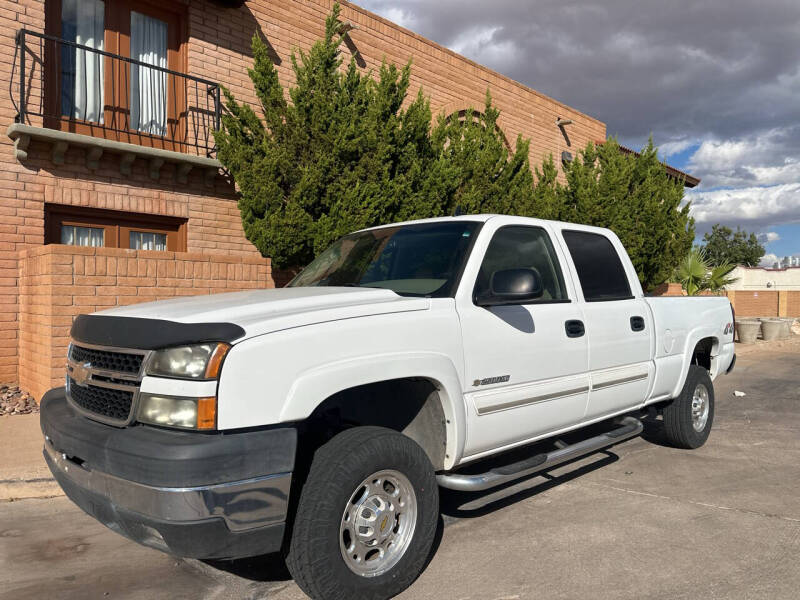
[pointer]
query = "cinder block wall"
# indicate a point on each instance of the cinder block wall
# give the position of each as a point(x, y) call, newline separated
point(57, 283)
point(218, 49)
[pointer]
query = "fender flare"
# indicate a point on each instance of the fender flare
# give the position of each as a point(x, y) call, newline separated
point(314, 386)
point(692, 338)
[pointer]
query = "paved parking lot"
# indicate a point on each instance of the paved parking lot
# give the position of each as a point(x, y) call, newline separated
point(638, 521)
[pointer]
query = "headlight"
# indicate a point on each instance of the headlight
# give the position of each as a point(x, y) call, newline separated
point(177, 411)
point(199, 361)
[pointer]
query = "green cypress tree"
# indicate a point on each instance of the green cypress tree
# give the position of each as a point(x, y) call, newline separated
point(481, 175)
point(633, 196)
point(341, 155)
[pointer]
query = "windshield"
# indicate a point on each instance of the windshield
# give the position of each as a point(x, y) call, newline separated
point(411, 260)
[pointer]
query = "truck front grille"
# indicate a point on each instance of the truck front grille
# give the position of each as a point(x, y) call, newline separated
point(107, 360)
point(110, 403)
point(103, 382)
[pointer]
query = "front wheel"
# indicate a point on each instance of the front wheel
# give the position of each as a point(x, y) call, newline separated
point(688, 418)
point(366, 518)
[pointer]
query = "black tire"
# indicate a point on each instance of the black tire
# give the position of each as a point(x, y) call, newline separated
point(678, 421)
point(314, 558)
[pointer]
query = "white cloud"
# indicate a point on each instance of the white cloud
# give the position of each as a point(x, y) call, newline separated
point(673, 147)
point(768, 260)
point(769, 158)
point(756, 206)
point(767, 237)
point(483, 44)
point(399, 16)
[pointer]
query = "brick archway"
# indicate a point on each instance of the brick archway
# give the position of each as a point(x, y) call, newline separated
point(461, 108)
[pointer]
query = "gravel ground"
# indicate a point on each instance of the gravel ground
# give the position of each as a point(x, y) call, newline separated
point(16, 401)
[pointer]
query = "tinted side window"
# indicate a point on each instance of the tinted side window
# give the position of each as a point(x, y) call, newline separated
point(599, 267)
point(516, 247)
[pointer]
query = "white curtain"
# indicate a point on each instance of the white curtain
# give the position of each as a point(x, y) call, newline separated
point(148, 86)
point(82, 22)
point(143, 240)
point(81, 236)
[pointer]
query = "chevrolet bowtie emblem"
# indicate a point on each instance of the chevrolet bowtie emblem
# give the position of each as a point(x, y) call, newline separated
point(80, 373)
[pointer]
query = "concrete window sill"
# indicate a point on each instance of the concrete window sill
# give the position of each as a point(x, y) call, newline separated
point(156, 158)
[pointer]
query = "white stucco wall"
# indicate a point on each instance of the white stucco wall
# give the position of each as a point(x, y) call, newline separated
point(757, 278)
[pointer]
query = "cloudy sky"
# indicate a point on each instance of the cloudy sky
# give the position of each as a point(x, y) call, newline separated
point(716, 82)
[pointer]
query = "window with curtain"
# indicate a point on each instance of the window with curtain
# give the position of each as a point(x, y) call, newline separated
point(105, 95)
point(148, 100)
point(95, 227)
point(73, 235)
point(145, 240)
point(82, 22)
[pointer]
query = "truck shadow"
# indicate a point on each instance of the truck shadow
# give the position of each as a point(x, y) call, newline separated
point(654, 432)
point(453, 506)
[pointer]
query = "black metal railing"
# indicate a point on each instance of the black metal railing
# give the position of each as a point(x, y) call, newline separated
point(64, 85)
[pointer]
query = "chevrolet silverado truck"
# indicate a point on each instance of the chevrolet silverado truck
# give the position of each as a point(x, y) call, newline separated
point(321, 419)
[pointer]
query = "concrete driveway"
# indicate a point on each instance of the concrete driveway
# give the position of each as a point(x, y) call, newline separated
point(638, 521)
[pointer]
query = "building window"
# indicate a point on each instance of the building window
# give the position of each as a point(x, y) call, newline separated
point(75, 235)
point(80, 226)
point(96, 91)
point(147, 240)
point(83, 23)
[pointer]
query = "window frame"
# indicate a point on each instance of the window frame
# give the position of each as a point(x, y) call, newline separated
point(116, 111)
point(116, 225)
point(630, 296)
point(553, 255)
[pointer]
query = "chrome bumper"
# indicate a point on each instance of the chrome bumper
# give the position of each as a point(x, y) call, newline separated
point(243, 505)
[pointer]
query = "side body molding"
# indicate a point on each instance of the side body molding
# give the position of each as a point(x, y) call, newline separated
point(315, 385)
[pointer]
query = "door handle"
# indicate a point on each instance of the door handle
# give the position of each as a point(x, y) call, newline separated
point(574, 328)
point(637, 323)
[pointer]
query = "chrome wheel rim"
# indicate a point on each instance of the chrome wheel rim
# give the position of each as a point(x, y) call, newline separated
point(700, 407)
point(378, 523)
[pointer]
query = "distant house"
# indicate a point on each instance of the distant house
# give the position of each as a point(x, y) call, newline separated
point(759, 278)
point(110, 190)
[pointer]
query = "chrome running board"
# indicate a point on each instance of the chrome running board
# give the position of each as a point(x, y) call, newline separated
point(628, 427)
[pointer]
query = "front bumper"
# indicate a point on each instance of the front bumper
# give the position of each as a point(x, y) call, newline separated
point(190, 494)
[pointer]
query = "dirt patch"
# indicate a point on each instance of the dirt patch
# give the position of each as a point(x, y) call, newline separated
point(790, 345)
point(16, 401)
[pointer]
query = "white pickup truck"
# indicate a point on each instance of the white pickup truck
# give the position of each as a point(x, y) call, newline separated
point(321, 419)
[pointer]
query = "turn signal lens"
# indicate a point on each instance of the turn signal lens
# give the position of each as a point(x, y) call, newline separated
point(206, 413)
point(215, 361)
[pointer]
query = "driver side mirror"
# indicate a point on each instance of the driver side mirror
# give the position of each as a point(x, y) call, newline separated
point(512, 286)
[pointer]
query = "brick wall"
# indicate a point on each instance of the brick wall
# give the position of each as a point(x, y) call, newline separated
point(762, 303)
point(218, 49)
point(793, 304)
point(765, 303)
point(58, 283)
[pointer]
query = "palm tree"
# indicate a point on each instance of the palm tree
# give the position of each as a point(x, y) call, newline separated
point(696, 275)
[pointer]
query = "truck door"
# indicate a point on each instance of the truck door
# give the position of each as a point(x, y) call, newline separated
point(525, 374)
point(618, 323)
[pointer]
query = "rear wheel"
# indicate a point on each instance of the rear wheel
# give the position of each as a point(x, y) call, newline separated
point(688, 418)
point(366, 518)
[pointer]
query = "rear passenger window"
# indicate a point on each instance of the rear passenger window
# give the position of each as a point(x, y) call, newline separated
point(599, 268)
point(523, 247)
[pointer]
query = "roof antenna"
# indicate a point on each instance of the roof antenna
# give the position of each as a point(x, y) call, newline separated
point(458, 211)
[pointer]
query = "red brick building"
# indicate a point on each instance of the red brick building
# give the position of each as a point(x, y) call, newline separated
point(110, 192)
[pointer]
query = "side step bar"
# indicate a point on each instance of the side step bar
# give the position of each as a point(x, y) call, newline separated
point(629, 427)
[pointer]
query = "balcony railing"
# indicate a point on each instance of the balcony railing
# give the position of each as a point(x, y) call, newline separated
point(59, 84)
